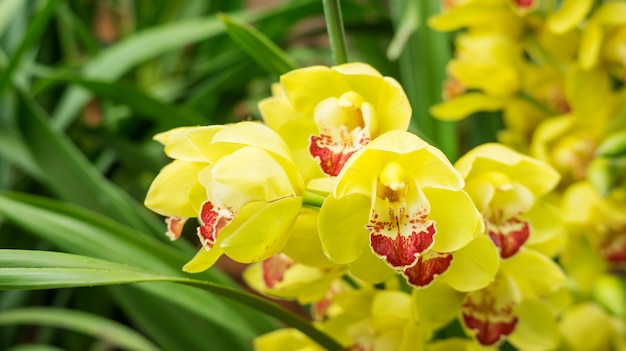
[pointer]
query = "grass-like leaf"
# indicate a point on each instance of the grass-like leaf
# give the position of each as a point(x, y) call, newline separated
point(27, 269)
point(35, 29)
point(111, 332)
point(267, 54)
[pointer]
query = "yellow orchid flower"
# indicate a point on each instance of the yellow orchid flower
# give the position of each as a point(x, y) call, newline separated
point(326, 114)
point(480, 55)
point(570, 14)
point(241, 183)
point(479, 15)
point(365, 319)
point(602, 220)
point(609, 20)
point(402, 197)
point(586, 326)
point(505, 185)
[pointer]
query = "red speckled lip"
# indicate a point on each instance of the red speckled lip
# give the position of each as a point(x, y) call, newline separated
point(213, 220)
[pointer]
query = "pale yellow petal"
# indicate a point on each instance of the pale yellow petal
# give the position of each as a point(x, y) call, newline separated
point(342, 227)
point(474, 266)
point(306, 87)
point(569, 15)
point(264, 233)
point(535, 274)
point(203, 260)
point(456, 218)
point(171, 192)
point(436, 305)
point(370, 268)
point(466, 104)
point(536, 328)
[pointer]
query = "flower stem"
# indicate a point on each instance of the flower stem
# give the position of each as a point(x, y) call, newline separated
point(336, 35)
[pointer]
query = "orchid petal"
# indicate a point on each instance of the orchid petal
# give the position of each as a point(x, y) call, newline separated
point(203, 260)
point(488, 313)
point(354, 68)
point(466, 104)
point(473, 266)
point(304, 244)
point(249, 173)
point(264, 232)
point(429, 266)
point(370, 268)
point(297, 134)
point(536, 175)
point(276, 111)
point(342, 227)
point(569, 15)
point(535, 274)
point(537, 327)
point(171, 190)
point(237, 136)
point(455, 216)
point(306, 87)
point(436, 305)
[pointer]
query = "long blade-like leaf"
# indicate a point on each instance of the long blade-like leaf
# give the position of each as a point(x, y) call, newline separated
point(24, 269)
point(137, 48)
point(70, 174)
point(76, 230)
point(167, 115)
point(35, 29)
point(111, 332)
point(267, 54)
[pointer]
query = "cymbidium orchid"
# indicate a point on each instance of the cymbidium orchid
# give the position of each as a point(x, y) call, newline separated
point(326, 114)
point(602, 220)
point(400, 200)
point(366, 319)
point(238, 180)
point(506, 187)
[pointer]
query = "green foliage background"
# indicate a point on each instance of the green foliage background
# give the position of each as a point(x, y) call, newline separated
point(84, 85)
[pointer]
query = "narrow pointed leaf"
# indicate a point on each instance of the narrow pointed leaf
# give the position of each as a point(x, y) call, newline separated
point(109, 331)
point(32, 270)
point(267, 54)
point(35, 30)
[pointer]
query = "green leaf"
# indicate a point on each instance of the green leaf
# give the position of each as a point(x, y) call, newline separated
point(28, 269)
point(8, 8)
point(76, 230)
point(35, 29)
point(167, 115)
point(267, 54)
point(142, 46)
point(98, 327)
point(69, 174)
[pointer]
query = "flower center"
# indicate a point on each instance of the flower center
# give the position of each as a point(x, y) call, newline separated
point(345, 125)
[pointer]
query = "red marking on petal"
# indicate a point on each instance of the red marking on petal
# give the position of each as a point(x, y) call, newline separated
point(488, 332)
point(332, 154)
point(403, 250)
point(213, 219)
point(509, 236)
point(427, 267)
point(175, 226)
point(524, 3)
point(613, 247)
point(274, 269)
point(489, 312)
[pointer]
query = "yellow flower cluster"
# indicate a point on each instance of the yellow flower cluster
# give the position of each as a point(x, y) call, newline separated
point(557, 73)
point(334, 204)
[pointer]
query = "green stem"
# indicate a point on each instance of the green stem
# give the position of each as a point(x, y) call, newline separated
point(336, 35)
point(312, 199)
